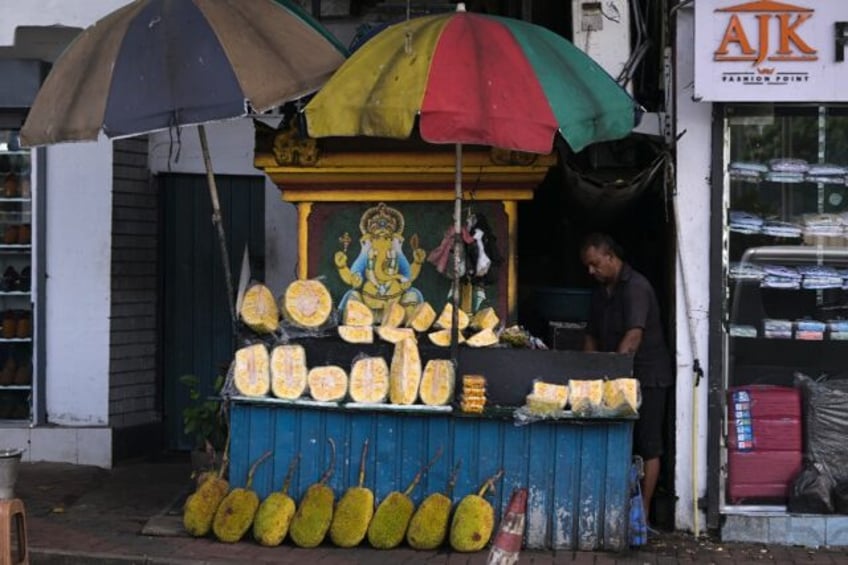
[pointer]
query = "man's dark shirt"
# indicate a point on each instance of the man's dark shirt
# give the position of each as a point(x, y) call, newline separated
point(632, 304)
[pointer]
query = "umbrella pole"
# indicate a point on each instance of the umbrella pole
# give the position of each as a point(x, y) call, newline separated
point(216, 221)
point(457, 254)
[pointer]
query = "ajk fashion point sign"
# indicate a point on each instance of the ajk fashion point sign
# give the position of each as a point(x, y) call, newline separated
point(767, 51)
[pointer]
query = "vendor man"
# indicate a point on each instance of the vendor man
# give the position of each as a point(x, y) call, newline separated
point(624, 317)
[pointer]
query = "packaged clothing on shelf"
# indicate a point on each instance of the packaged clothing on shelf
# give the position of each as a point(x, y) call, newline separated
point(807, 335)
point(742, 330)
point(745, 272)
point(837, 325)
point(821, 283)
point(788, 165)
point(742, 218)
point(748, 166)
point(746, 176)
point(782, 272)
point(777, 228)
point(827, 169)
point(810, 325)
point(775, 176)
point(783, 283)
point(838, 336)
point(822, 220)
point(777, 328)
point(824, 179)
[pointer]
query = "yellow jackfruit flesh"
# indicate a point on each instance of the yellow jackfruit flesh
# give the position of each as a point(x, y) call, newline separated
point(357, 313)
point(437, 382)
point(327, 383)
point(275, 513)
point(472, 524)
point(485, 318)
point(354, 511)
point(288, 371)
point(442, 338)
point(422, 317)
point(394, 335)
point(315, 513)
point(585, 396)
point(200, 507)
point(388, 527)
point(393, 315)
point(429, 525)
point(236, 512)
point(307, 303)
point(445, 319)
point(259, 309)
point(369, 380)
point(557, 394)
point(357, 334)
point(621, 396)
point(251, 374)
point(483, 338)
point(405, 373)
point(541, 406)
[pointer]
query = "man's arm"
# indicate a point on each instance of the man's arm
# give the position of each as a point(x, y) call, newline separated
point(631, 341)
point(590, 343)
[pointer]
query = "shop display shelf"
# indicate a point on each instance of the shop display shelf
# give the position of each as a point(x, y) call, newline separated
point(15, 340)
point(16, 387)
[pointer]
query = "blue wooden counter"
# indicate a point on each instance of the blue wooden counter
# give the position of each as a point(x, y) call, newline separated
point(576, 471)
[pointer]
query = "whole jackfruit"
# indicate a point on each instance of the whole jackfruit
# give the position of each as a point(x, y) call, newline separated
point(275, 513)
point(235, 514)
point(354, 511)
point(474, 520)
point(388, 527)
point(429, 525)
point(200, 507)
point(315, 513)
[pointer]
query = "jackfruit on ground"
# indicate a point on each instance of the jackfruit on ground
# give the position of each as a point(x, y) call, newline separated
point(421, 317)
point(200, 507)
point(251, 373)
point(405, 373)
point(429, 525)
point(552, 392)
point(393, 315)
point(357, 334)
point(446, 317)
point(273, 519)
point(352, 516)
point(621, 396)
point(313, 517)
point(369, 380)
point(472, 524)
point(394, 335)
point(307, 303)
point(442, 338)
point(437, 382)
point(585, 396)
point(388, 527)
point(357, 313)
point(483, 338)
point(259, 309)
point(327, 383)
point(235, 515)
point(485, 318)
point(288, 371)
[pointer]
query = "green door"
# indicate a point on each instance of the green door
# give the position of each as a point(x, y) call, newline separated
point(197, 335)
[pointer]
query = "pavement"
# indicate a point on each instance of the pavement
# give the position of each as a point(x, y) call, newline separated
point(131, 515)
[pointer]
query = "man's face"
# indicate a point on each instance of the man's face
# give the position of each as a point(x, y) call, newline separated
point(601, 264)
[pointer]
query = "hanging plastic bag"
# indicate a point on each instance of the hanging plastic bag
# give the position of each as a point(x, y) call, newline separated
point(638, 523)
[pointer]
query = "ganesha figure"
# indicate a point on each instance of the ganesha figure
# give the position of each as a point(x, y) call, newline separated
point(381, 273)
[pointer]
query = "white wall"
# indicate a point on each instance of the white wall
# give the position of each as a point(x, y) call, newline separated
point(693, 204)
point(71, 13)
point(231, 147)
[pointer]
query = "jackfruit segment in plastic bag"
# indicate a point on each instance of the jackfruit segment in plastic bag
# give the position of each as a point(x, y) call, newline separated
point(369, 380)
point(622, 397)
point(422, 317)
point(357, 313)
point(327, 383)
point(586, 396)
point(259, 309)
point(251, 375)
point(393, 315)
point(437, 382)
point(307, 303)
point(357, 334)
point(392, 334)
point(288, 371)
point(558, 394)
point(405, 373)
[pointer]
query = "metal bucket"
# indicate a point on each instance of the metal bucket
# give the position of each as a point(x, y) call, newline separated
point(9, 461)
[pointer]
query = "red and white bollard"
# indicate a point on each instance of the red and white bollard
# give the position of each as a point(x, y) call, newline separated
point(507, 546)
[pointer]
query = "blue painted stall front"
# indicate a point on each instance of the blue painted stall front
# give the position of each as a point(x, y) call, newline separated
point(576, 470)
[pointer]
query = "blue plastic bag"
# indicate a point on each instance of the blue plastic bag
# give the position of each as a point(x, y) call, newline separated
point(638, 523)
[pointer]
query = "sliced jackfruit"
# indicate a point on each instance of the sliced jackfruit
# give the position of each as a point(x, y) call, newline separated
point(259, 309)
point(251, 372)
point(483, 338)
point(235, 514)
point(200, 507)
point(369, 380)
point(307, 303)
point(357, 313)
point(421, 317)
point(357, 334)
point(585, 396)
point(405, 373)
point(541, 405)
point(621, 396)
point(315, 512)
point(394, 335)
point(474, 520)
point(428, 527)
point(445, 318)
point(288, 371)
point(393, 315)
point(442, 338)
point(485, 318)
point(437, 382)
point(354, 511)
point(327, 383)
point(555, 393)
point(275, 513)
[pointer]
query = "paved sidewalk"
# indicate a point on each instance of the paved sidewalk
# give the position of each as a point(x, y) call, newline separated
point(85, 515)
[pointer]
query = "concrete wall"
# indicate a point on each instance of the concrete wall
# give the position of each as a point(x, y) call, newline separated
point(693, 204)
